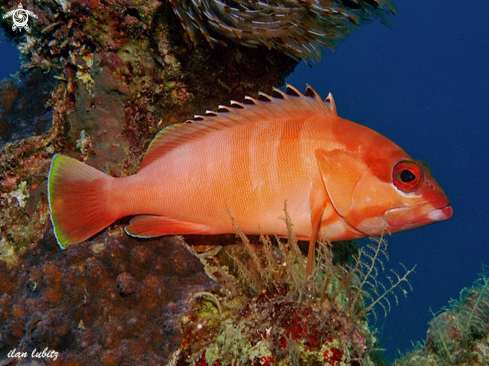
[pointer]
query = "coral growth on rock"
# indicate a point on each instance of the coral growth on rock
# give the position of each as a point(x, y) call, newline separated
point(268, 312)
point(460, 334)
point(109, 301)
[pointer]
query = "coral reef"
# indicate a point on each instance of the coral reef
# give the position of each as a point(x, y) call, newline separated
point(267, 312)
point(459, 335)
point(107, 76)
point(121, 71)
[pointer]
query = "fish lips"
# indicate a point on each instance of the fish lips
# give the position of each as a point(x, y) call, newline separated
point(406, 218)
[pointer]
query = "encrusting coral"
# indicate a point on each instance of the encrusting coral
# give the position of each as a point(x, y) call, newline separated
point(267, 311)
point(112, 300)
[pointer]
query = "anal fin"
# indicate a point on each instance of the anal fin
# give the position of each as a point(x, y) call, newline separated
point(147, 226)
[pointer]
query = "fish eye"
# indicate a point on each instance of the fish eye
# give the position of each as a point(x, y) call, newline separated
point(407, 176)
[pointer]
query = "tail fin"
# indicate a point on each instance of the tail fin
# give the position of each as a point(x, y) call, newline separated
point(77, 199)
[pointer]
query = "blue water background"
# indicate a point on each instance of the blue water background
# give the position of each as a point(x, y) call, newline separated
point(424, 83)
point(9, 57)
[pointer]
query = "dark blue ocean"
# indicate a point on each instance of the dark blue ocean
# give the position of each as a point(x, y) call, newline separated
point(424, 83)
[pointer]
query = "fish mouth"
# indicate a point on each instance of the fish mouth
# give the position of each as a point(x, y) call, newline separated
point(438, 214)
point(405, 218)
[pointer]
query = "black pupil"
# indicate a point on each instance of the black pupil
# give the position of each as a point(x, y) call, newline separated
point(407, 176)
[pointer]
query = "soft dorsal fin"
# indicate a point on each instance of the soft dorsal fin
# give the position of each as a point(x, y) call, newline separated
point(279, 105)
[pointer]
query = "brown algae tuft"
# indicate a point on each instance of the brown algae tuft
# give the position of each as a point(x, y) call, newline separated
point(268, 312)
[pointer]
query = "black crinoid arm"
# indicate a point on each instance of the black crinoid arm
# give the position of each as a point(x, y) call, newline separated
point(296, 27)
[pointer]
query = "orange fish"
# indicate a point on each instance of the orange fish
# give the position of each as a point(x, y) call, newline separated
point(341, 180)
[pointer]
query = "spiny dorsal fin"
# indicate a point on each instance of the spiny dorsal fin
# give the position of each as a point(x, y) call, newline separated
point(279, 105)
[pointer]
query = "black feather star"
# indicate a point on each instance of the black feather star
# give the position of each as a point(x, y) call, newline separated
point(296, 27)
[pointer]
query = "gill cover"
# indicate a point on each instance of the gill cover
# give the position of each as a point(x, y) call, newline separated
point(341, 171)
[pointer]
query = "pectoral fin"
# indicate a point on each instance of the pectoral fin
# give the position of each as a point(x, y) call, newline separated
point(311, 254)
point(318, 200)
point(147, 226)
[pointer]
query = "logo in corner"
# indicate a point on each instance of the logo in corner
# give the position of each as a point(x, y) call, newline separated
point(20, 17)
